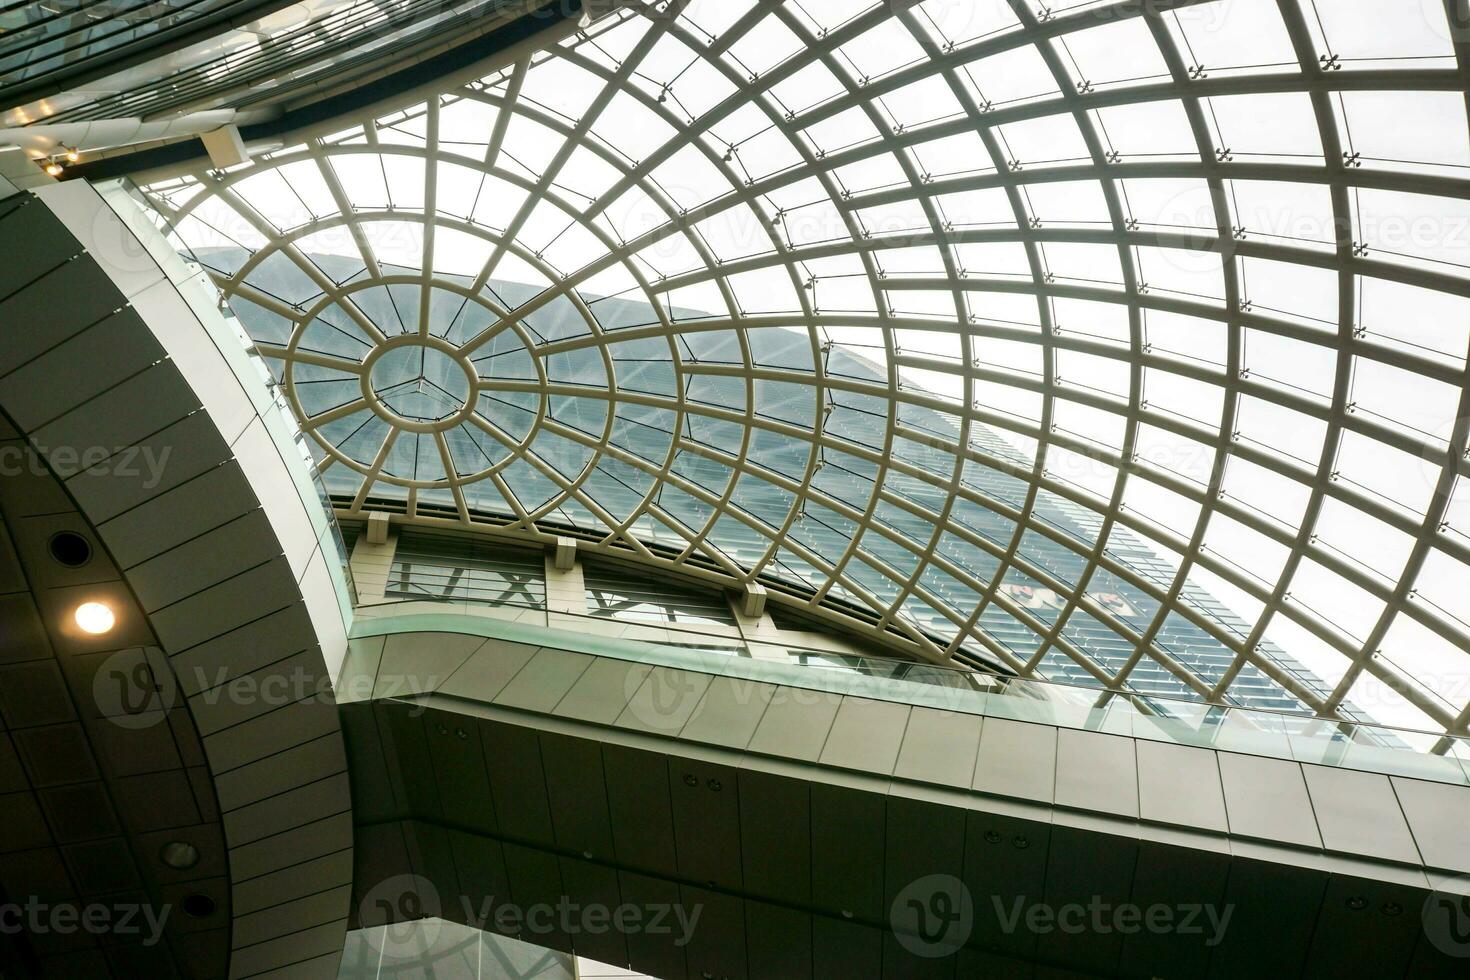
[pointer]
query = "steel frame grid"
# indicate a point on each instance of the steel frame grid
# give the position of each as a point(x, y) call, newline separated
point(1340, 172)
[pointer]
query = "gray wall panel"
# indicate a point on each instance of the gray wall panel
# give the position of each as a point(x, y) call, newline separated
point(1344, 944)
point(655, 955)
point(1005, 870)
point(599, 887)
point(209, 559)
point(291, 916)
point(1438, 815)
point(242, 650)
point(1083, 868)
point(301, 879)
point(778, 942)
point(182, 451)
point(845, 949)
point(1180, 784)
point(640, 808)
point(664, 701)
point(866, 735)
point(309, 944)
point(302, 843)
point(1358, 813)
point(1097, 772)
point(390, 760)
point(577, 793)
point(1267, 799)
point(270, 734)
point(776, 857)
point(921, 839)
point(415, 662)
point(518, 782)
point(78, 288)
point(795, 724)
point(314, 801)
point(98, 358)
point(716, 946)
point(705, 802)
point(939, 747)
point(729, 712)
point(128, 415)
point(458, 759)
point(847, 851)
point(1017, 759)
point(47, 243)
point(544, 680)
point(601, 694)
point(227, 606)
point(1177, 878)
point(1267, 938)
point(171, 518)
point(487, 671)
point(277, 774)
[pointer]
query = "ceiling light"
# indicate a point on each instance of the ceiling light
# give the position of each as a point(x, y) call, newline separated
point(180, 855)
point(53, 168)
point(70, 549)
point(72, 154)
point(95, 618)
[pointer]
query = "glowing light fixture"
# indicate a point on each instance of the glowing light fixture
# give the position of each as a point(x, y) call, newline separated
point(53, 168)
point(95, 618)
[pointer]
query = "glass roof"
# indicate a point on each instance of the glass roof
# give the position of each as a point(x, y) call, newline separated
point(1117, 342)
point(37, 39)
point(65, 61)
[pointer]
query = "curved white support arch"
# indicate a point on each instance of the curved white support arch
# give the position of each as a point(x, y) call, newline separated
point(866, 206)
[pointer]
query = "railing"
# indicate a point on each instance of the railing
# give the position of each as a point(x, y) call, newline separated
point(1280, 734)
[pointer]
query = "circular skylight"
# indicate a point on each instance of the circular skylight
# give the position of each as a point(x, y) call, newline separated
point(1117, 342)
point(419, 385)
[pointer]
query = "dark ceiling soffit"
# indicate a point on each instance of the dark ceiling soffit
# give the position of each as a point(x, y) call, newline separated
point(467, 54)
point(136, 53)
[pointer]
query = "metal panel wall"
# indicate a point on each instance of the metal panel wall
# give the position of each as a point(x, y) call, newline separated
point(832, 806)
point(158, 428)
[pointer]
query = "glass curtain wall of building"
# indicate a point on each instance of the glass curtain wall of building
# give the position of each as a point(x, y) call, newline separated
point(1116, 343)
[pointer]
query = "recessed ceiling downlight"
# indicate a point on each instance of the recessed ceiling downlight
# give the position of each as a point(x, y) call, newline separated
point(198, 906)
point(95, 618)
point(70, 549)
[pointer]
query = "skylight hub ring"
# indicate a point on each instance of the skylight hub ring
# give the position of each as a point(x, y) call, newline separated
point(379, 397)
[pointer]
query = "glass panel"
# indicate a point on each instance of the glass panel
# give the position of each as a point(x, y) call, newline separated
point(1117, 387)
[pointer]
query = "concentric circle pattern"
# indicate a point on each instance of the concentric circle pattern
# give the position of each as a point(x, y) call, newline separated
point(418, 384)
point(1117, 342)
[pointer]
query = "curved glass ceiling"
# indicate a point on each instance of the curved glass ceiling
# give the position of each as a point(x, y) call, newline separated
point(37, 39)
point(1117, 342)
